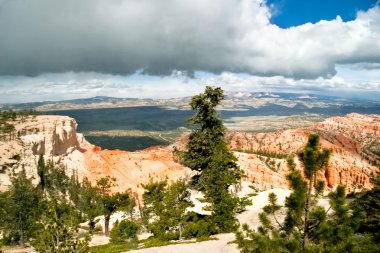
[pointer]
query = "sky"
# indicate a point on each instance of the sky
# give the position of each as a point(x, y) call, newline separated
point(55, 50)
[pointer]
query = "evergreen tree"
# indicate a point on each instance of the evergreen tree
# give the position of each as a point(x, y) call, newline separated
point(164, 208)
point(207, 153)
point(111, 202)
point(313, 160)
point(42, 172)
point(307, 227)
point(60, 230)
point(369, 202)
point(90, 202)
point(123, 231)
point(21, 209)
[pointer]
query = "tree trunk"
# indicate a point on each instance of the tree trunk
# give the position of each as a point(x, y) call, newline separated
point(180, 227)
point(107, 225)
point(307, 207)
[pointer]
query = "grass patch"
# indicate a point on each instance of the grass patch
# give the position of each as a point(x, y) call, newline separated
point(112, 248)
point(154, 242)
point(147, 243)
point(268, 154)
point(206, 238)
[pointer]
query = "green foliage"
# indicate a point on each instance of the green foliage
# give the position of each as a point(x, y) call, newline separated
point(312, 158)
point(374, 147)
point(47, 215)
point(7, 129)
point(59, 230)
point(19, 209)
point(124, 230)
point(208, 154)
point(105, 184)
point(198, 226)
point(369, 203)
point(111, 202)
point(113, 247)
point(244, 202)
point(267, 153)
point(89, 202)
point(53, 178)
point(308, 227)
point(164, 208)
point(41, 171)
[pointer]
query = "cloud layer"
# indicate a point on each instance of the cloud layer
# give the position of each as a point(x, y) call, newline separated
point(351, 80)
point(158, 37)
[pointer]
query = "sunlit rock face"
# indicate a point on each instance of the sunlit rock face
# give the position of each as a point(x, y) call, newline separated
point(352, 139)
point(55, 137)
point(49, 135)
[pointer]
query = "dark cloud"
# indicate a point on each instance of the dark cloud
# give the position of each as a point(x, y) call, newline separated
point(157, 37)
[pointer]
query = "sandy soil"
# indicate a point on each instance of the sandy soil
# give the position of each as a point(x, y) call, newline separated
point(220, 245)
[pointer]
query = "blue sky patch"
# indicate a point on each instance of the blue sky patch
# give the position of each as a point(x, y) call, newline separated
point(287, 13)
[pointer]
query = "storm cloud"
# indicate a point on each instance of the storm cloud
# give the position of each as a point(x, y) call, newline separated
point(159, 37)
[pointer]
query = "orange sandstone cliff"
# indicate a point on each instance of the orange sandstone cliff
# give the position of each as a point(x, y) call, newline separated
point(354, 140)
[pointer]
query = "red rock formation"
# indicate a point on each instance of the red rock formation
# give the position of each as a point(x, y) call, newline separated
point(347, 137)
point(352, 163)
point(350, 138)
point(131, 169)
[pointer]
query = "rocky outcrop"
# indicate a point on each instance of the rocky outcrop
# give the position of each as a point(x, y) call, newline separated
point(55, 137)
point(49, 135)
point(133, 169)
point(352, 163)
point(262, 156)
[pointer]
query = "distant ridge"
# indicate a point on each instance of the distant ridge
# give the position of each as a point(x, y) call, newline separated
point(299, 101)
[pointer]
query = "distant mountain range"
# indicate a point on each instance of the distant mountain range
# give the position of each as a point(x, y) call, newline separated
point(233, 100)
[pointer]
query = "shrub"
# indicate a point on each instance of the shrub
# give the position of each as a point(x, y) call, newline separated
point(123, 231)
point(198, 226)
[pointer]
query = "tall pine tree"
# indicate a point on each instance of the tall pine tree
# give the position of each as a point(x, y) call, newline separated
point(208, 154)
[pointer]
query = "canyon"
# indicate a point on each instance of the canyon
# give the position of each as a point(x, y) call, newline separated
point(354, 140)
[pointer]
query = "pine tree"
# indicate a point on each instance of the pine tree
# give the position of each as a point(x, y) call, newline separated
point(308, 227)
point(369, 203)
point(313, 160)
point(111, 202)
point(60, 229)
point(21, 207)
point(90, 202)
point(164, 208)
point(207, 153)
point(42, 172)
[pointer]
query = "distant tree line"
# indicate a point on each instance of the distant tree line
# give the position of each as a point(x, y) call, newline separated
point(7, 119)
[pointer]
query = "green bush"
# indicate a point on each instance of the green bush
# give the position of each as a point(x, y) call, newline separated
point(197, 226)
point(123, 231)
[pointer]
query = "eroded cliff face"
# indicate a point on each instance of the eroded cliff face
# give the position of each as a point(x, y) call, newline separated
point(132, 169)
point(352, 139)
point(49, 135)
point(55, 137)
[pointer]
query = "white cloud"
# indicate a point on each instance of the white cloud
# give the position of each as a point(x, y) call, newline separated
point(125, 36)
point(351, 80)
